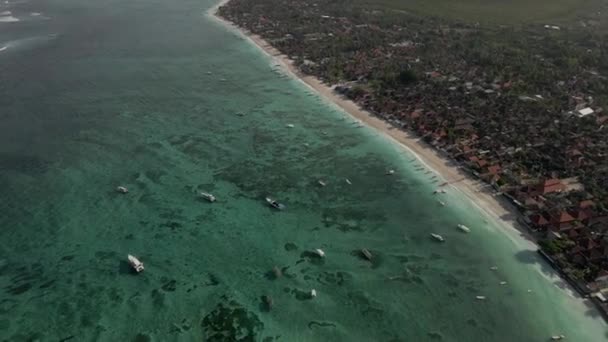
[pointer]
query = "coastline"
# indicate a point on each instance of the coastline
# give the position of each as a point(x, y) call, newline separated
point(481, 195)
point(497, 207)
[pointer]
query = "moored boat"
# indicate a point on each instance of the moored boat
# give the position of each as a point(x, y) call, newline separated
point(209, 197)
point(137, 265)
point(437, 237)
point(366, 254)
point(274, 203)
point(463, 228)
point(122, 189)
point(319, 252)
point(557, 337)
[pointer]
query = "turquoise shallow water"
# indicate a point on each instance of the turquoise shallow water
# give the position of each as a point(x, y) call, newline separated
point(145, 94)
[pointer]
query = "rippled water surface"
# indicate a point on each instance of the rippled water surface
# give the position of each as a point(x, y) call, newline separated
point(147, 94)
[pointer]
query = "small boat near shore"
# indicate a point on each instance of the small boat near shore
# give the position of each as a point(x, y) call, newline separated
point(348, 181)
point(390, 172)
point(319, 252)
point(463, 228)
point(557, 337)
point(137, 265)
point(442, 203)
point(209, 197)
point(480, 297)
point(366, 254)
point(437, 237)
point(273, 203)
point(321, 183)
point(122, 190)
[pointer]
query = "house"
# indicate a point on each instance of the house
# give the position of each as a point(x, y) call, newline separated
point(549, 186)
point(584, 112)
point(539, 220)
point(561, 221)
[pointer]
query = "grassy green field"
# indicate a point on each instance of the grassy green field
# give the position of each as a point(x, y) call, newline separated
point(494, 11)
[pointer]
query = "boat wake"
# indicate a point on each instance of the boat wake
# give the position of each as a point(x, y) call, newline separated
point(7, 17)
point(27, 43)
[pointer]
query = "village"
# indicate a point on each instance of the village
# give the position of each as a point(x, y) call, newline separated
point(520, 108)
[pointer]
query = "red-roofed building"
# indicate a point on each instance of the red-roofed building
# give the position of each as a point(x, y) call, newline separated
point(414, 115)
point(549, 186)
point(561, 221)
point(539, 220)
point(494, 169)
point(586, 204)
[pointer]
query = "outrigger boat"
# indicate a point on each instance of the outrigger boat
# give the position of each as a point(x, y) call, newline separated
point(275, 204)
point(437, 237)
point(366, 254)
point(463, 228)
point(137, 265)
point(209, 197)
point(319, 252)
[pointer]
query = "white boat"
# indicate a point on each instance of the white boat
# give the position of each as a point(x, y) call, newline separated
point(313, 293)
point(503, 283)
point(348, 181)
point(275, 204)
point(122, 189)
point(443, 191)
point(494, 268)
point(480, 298)
point(390, 172)
point(209, 197)
point(290, 125)
point(464, 228)
point(137, 265)
point(322, 183)
point(442, 203)
point(437, 237)
point(557, 337)
point(319, 252)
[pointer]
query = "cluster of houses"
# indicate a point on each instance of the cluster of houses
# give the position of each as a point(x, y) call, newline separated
point(518, 109)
